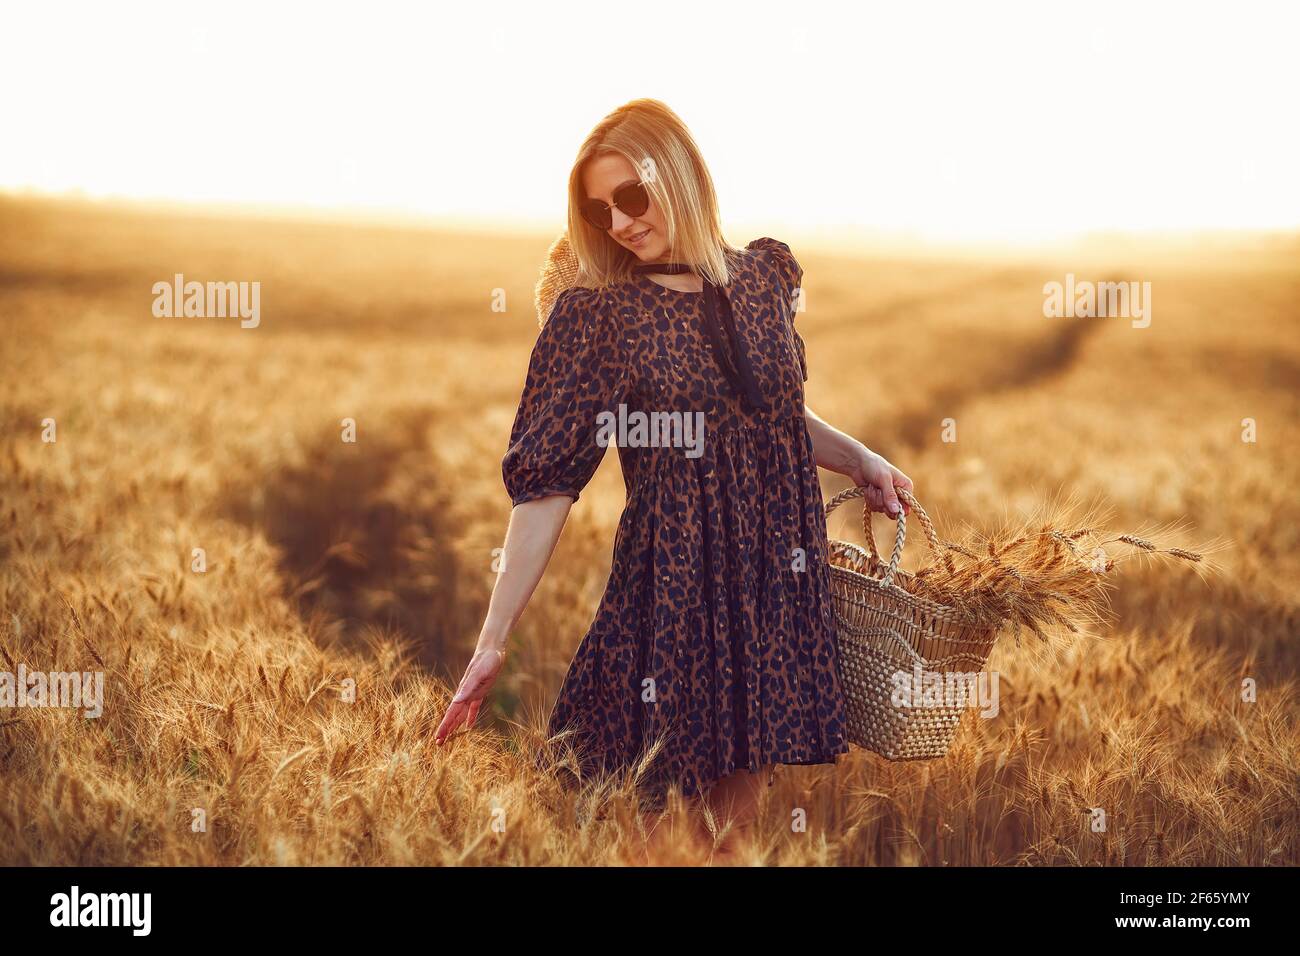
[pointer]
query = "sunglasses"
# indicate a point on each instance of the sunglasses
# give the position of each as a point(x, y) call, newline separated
point(631, 198)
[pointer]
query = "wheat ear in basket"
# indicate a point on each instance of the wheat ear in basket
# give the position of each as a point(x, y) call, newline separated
point(884, 629)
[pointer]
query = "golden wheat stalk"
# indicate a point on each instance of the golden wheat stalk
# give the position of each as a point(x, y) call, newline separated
point(1043, 579)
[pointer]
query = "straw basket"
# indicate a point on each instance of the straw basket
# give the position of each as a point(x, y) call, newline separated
point(882, 628)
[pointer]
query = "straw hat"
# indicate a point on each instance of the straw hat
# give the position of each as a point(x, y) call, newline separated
point(559, 272)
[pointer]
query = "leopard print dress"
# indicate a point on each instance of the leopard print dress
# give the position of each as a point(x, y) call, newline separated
point(715, 631)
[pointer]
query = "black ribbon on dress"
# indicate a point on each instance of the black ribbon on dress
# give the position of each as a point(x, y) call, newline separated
point(718, 317)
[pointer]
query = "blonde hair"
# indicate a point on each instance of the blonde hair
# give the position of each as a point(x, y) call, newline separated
point(657, 143)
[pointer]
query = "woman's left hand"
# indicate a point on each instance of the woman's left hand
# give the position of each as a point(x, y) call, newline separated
point(871, 471)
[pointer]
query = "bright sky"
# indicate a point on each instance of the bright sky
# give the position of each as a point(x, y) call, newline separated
point(962, 120)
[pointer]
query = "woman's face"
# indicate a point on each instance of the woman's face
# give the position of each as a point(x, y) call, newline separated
point(600, 178)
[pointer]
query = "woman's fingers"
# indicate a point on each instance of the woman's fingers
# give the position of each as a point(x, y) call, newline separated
point(902, 481)
point(468, 699)
point(893, 507)
point(449, 723)
point(879, 479)
point(872, 494)
point(879, 475)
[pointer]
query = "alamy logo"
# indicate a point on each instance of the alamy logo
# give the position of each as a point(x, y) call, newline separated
point(652, 430)
point(53, 689)
point(210, 300)
point(103, 909)
point(1085, 299)
point(926, 688)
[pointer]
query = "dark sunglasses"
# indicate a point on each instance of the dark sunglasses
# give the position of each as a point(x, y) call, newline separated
point(631, 198)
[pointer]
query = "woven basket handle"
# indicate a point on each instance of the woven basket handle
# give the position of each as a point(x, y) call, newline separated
point(901, 537)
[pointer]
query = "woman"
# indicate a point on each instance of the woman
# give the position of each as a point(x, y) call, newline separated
point(714, 637)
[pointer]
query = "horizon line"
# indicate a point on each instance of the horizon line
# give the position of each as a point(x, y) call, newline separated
point(831, 236)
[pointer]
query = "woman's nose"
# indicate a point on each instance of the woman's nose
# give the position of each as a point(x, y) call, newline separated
point(619, 220)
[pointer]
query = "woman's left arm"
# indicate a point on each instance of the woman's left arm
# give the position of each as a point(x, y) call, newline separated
point(845, 455)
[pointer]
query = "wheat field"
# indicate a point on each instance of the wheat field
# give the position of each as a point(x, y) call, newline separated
point(279, 706)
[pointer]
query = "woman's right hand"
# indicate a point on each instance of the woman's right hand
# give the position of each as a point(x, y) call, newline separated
point(479, 677)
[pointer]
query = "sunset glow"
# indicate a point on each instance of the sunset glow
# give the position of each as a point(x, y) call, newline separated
point(813, 116)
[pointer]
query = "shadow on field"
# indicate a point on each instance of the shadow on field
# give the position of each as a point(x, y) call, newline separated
point(1051, 356)
point(366, 536)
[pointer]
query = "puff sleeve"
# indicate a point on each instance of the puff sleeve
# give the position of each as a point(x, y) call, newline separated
point(577, 370)
point(789, 280)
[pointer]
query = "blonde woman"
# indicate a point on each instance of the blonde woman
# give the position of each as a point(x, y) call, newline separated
point(714, 636)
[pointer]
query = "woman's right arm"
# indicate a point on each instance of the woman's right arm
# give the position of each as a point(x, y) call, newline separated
point(577, 370)
point(531, 536)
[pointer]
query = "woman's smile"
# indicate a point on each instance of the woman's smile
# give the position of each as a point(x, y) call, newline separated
point(637, 239)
